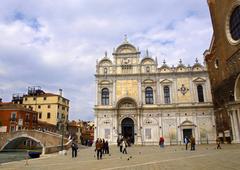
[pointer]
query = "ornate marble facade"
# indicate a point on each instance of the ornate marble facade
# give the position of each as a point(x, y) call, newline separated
point(137, 99)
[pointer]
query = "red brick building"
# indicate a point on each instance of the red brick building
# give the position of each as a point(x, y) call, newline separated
point(15, 117)
point(223, 62)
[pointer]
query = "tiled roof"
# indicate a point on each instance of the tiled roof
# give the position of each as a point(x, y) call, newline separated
point(12, 106)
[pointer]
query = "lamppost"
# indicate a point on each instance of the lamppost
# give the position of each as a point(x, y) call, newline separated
point(62, 127)
point(61, 124)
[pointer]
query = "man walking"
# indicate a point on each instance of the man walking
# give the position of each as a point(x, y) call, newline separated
point(74, 149)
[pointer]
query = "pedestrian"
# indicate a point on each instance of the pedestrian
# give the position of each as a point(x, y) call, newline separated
point(161, 142)
point(103, 146)
point(186, 141)
point(118, 141)
point(73, 146)
point(218, 141)
point(76, 149)
point(99, 149)
point(124, 147)
point(121, 144)
point(192, 141)
point(106, 147)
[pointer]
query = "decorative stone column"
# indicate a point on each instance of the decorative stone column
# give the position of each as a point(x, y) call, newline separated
point(232, 125)
point(139, 134)
point(237, 139)
point(179, 131)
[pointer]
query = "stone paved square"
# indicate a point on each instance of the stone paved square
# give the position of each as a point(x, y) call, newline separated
point(140, 158)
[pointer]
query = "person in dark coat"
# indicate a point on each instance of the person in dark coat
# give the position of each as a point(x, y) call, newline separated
point(193, 143)
point(74, 149)
point(106, 147)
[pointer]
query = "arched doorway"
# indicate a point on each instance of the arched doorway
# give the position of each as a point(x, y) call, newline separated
point(128, 129)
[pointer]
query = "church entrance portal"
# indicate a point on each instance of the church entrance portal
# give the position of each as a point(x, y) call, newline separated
point(187, 133)
point(128, 129)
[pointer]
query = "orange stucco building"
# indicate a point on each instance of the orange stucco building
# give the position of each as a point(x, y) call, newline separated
point(15, 117)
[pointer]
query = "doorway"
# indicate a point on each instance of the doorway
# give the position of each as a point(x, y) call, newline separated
point(128, 129)
point(187, 133)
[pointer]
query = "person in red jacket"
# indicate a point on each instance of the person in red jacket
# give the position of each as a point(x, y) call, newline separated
point(161, 142)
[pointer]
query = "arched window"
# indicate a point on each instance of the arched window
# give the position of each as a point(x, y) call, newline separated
point(166, 94)
point(105, 96)
point(235, 24)
point(200, 93)
point(149, 95)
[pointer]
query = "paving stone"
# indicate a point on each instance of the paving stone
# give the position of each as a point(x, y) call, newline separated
point(139, 158)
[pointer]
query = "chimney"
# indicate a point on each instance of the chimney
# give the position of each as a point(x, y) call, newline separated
point(60, 92)
point(0, 100)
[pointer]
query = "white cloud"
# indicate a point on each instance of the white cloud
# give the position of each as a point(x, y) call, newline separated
point(56, 44)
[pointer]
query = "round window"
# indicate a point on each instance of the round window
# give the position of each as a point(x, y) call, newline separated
point(234, 25)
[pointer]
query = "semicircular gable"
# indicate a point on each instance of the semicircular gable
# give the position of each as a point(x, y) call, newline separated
point(126, 48)
point(181, 68)
point(165, 68)
point(105, 62)
point(197, 67)
point(147, 60)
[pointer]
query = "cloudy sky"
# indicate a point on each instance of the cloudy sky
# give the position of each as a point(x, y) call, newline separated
point(54, 44)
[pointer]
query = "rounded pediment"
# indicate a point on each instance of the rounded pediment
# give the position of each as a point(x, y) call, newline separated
point(187, 123)
point(126, 102)
point(197, 67)
point(147, 61)
point(126, 48)
point(105, 62)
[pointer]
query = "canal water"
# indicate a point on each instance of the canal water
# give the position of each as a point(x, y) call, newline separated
point(12, 156)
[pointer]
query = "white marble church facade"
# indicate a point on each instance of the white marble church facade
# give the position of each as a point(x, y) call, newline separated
point(140, 100)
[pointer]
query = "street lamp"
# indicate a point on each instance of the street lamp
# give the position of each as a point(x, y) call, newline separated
point(61, 128)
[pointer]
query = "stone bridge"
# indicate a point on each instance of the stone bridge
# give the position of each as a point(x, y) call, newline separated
point(50, 142)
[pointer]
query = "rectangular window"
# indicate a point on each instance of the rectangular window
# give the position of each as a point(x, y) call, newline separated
point(148, 134)
point(25, 99)
point(34, 118)
point(63, 108)
point(49, 106)
point(39, 106)
point(48, 115)
point(13, 116)
point(27, 118)
point(166, 90)
point(40, 115)
point(34, 98)
point(45, 98)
